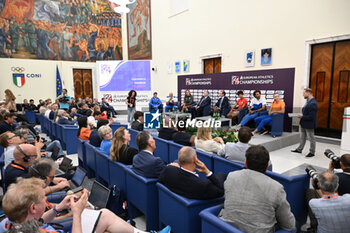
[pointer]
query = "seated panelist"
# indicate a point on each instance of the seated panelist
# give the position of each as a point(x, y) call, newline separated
point(202, 108)
point(155, 103)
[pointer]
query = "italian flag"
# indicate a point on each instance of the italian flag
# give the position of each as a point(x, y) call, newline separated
point(18, 79)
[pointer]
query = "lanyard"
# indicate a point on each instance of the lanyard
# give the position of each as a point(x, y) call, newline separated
point(16, 166)
point(330, 196)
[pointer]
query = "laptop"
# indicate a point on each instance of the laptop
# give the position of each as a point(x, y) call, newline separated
point(78, 178)
point(65, 164)
point(87, 183)
point(98, 196)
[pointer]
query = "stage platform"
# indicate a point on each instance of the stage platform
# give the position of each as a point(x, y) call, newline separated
point(272, 144)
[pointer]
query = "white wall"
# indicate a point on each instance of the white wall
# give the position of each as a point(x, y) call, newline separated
point(229, 27)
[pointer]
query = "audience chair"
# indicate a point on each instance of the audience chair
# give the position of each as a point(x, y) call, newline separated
point(162, 149)
point(207, 159)
point(115, 125)
point(90, 159)
point(69, 135)
point(181, 213)
point(173, 150)
point(212, 223)
point(102, 166)
point(133, 134)
point(117, 175)
point(30, 116)
point(142, 194)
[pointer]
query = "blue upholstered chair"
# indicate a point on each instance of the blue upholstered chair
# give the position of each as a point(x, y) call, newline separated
point(116, 125)
point(142, 194)
point(117, 175)
point(207, 159)
point(69, 135)
point(1, 150)
point(162, 149)
point(30, 116)
point(42, 123)
point(102, 166)
point(211, 223)
point(173, 150)
point(133, 134)
point(2, 164)
point(52, 130)
point(90, 159)
point(59, 135)
point(277, 125)
point(81, 153)
point(224, 165)
point(181, 213)
point(295, 187)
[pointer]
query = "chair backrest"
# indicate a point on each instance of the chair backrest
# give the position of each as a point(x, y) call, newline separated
point(117, 174)
point(102, 165)
point(133, 134)
point(162, 149)
point(224, 165)
point(90, 157)
point(174, 150)
point(181, 213)
point(207, 159)
point(30, 116)
point(69, 135)
point(116, 126)
point(81, 152)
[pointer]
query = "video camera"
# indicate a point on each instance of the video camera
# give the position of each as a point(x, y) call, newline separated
point(335, 159)
point(64, 99)
point(311, 171)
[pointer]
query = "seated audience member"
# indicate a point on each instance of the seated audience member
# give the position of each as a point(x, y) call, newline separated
point(138, 122)
point(73, 113)
point(155, 103)
point(95, 139)
point(236, 151)
point(105, 132)
point(25, 105)
point(45, 169)
point(253, 201)
point(188, 101)
point(181, 137)
point(32, 106)
point(54, 109)
point(9, 141)
point(256, 108)
point(167, 131)
point(240, 105)
point(8, 122)
point(24, 156)
point(84, 110)
point(206, 143)
point(344, 187)
point(186, 182)
point(83, 131)
point(94, 118)
point(120, 150)
point(28, 196)
point(107, 107)
point(223, 105)
point(64, 118)
point(331, 211)
point(171, 103)
point(144, 163)
point(204, 103)
point(42, 110)
point(277, 107)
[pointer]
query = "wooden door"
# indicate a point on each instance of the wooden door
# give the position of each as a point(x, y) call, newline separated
point(82, 83)
point(321, 76)
point(330, 80)
point(212, 65)
point(341, 84)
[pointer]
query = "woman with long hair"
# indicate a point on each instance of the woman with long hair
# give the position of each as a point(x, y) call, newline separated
point(83, 131)
point(131, 102)
point(10, 98)
point(206, 143)
point(120, 150)
point(188, 101)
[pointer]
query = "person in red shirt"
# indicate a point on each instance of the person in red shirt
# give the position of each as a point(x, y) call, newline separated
point(241, 104)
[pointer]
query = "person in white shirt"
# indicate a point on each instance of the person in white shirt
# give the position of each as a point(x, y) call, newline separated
point(206, 143)
point(256, 108)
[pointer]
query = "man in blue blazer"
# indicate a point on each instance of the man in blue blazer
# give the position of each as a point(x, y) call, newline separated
point(202, 108)
point(308, 123)
point(64, 118)
point(144, 163)
point(223, 104)
point(186, 182)
point(155, 103)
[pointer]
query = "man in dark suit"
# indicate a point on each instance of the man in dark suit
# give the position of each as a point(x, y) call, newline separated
point(308, 123)
point(64, 118)
point(202, 108)
point(185, 181)
point(223, 104)
point(144, 163)
point(8, 123)
point(137, 124)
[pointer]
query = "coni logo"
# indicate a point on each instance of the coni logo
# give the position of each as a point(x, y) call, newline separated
point(151, 120)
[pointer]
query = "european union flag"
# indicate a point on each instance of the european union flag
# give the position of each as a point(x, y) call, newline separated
point(58, 82)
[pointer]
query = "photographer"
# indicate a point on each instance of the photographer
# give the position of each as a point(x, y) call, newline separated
point(344, 177)
point(331, 211)
point(64, 100)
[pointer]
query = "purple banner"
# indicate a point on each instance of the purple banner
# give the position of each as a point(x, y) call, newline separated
point(267, 81)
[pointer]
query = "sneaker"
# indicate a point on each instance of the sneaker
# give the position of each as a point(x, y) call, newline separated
point(296, 151)
point(166, 229)
point(264, 132)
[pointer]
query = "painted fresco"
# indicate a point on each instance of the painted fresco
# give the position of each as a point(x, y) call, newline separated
point(73, 30)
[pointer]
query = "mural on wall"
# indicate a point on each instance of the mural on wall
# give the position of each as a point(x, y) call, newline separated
point(139, 30)
point(73, 30)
